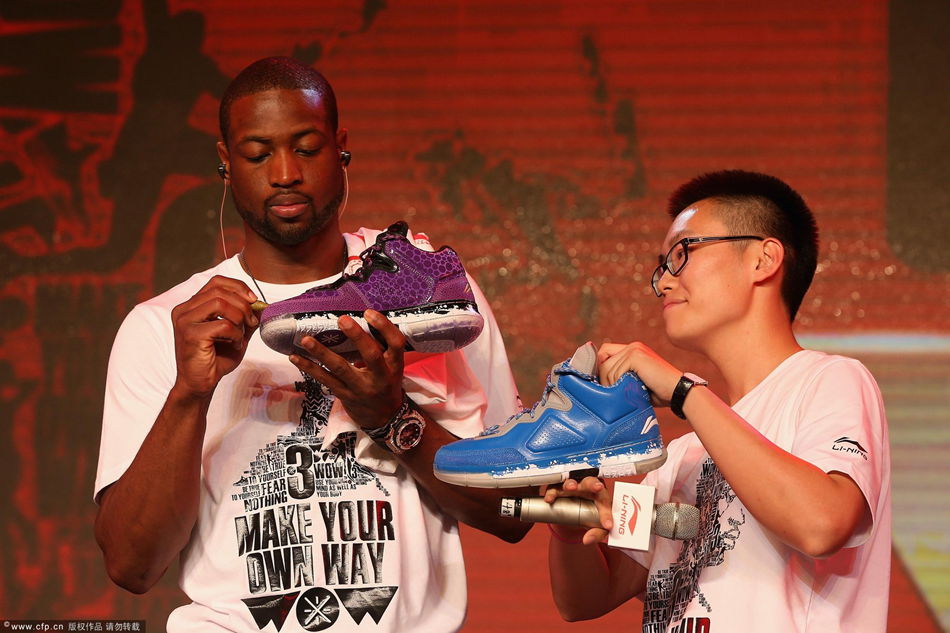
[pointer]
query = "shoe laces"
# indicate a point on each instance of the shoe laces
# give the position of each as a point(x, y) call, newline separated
point(373, 257)
point(564, 369)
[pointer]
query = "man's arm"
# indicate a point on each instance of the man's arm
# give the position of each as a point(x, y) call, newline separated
point(589, 579)
point(146, 517)
point(373, 393)
point(808, 509)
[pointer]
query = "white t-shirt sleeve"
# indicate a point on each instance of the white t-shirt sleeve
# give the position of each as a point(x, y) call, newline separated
point(842, 427)
point(489, 362)
point(141, 373)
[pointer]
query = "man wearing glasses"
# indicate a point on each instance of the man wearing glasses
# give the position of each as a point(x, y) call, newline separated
point(790, 466)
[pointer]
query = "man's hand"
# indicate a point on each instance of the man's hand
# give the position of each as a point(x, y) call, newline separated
point(370, 391)
point(589, 488)
point(659, 376)
point(211, 334)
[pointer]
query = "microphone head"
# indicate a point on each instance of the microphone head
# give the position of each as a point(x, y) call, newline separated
point(679, 521)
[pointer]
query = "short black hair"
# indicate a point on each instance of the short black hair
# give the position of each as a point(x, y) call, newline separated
point(759, 204)
point(276, 73)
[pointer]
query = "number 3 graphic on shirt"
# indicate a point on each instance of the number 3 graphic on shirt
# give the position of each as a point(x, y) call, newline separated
point(305, 469)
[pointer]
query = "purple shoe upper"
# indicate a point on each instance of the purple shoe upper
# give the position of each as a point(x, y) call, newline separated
point(395, 275)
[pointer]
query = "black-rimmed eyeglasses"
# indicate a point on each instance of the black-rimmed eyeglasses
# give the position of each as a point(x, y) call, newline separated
point(678, 255)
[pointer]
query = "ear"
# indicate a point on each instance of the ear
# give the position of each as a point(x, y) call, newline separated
point(769, 256)
point(341, 136)
point(225, 156)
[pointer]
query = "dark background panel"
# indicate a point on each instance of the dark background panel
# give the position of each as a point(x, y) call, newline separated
point(918, 134)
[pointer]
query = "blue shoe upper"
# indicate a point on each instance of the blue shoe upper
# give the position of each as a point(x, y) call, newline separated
point(598, 419)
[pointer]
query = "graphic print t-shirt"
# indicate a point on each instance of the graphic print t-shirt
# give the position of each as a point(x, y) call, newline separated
point(735, 575)
point(304, 523)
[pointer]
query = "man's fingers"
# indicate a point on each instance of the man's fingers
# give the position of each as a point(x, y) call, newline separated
point(232, 291)
point(316, 370)
point(595, 535)
point(217, 331)
point(217, 304)
point(368, 348)
point(333, 362)
point(395, 340)
point(606, 350)
point(596, 488)
point(612, 369)
point(218, 308)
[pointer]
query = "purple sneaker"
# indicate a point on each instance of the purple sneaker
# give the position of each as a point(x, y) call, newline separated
point(425, 294)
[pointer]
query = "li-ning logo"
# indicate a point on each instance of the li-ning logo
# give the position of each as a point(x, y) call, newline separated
point(847, 445)
point(649, 424)
point(331, 337)
point(629, 512)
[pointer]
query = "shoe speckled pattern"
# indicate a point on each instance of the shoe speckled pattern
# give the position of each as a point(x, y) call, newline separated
point(425, 294)
point(578, 428)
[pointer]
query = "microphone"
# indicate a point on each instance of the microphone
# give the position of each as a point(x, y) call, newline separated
point(678, 521)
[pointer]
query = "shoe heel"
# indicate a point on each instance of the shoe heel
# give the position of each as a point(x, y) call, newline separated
point(613, 471)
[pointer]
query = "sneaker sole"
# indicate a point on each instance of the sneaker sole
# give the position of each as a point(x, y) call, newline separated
point(431, 329)
point(623, 465)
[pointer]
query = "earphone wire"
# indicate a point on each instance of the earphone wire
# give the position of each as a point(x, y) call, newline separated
point(247, 269)
point(346, 193)
point(224, 246)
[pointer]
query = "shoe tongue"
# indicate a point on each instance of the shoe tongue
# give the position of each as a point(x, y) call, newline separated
point(585, 359)
point(397, 228)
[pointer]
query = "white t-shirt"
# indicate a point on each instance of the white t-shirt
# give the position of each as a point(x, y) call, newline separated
point(737, 576)
point(304, 524)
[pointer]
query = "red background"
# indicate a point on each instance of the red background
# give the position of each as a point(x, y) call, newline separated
point(540, 139)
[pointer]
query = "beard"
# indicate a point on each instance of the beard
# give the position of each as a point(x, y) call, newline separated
point(281, 233)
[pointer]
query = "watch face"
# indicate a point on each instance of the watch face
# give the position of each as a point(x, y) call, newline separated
point(408, 434)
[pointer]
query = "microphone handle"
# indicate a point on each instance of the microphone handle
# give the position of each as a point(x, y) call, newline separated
point(677, 521)
point(564, 511)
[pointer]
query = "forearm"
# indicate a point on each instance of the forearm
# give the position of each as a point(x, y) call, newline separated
point(588, 581)
point(146, 517)
point(476, 507)
point(808, 509)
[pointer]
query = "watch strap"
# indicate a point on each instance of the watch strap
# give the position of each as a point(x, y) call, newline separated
point(386, 435)
point(686, 382)
point(382, 433)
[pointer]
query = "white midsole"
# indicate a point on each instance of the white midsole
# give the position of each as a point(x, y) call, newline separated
point(610, 467)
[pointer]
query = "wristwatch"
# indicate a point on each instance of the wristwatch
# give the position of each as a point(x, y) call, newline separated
point(687, 382)
point(404, 431)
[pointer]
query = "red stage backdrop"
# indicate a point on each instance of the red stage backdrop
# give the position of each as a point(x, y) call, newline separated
point(538, 138)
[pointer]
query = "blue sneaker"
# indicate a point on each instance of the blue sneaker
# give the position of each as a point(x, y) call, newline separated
point(578, 428)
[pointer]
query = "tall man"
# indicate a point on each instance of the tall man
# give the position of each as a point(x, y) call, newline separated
point(214, 448)
point(790, 470)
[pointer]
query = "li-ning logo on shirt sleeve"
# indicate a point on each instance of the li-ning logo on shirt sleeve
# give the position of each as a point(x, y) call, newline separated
point(847, 445)
point(302, 527)
point(669, 591)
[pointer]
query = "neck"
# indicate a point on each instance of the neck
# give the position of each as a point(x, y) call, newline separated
point(750, 352)
point(323, 255)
